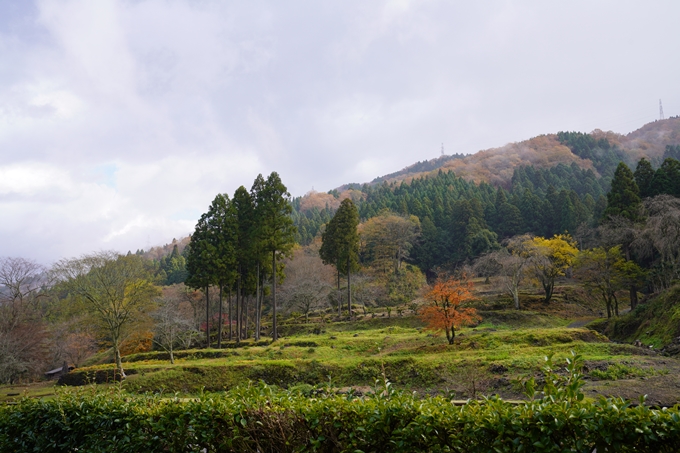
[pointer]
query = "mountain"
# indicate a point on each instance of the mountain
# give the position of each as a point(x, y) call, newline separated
point(496, 165)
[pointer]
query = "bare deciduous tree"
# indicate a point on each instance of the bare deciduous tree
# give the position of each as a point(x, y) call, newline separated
point(173, 324)
point(308, 282)
point(73, 341)
point(20, 283)
point(510, 263)
point(23, 348)
point(661, 235)
point(115, 287)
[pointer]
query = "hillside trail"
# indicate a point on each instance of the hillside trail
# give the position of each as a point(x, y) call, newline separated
point(580, 322)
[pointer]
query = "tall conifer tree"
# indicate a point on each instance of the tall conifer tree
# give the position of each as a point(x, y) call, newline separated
point(201, 264)
point(624, 197)
point(245, 213)
point(224, 228)
point(644, 173)
point(277, 229)
point(340, 243)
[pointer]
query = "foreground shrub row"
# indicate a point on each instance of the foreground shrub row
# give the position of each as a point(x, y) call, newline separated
point(259, 418)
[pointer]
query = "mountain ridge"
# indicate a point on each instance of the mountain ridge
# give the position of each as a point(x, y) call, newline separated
point(496, 165)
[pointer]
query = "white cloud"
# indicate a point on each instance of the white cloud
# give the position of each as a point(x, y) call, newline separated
point(121, 120)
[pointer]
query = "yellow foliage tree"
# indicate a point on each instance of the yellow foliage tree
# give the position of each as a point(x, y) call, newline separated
point(550, 258)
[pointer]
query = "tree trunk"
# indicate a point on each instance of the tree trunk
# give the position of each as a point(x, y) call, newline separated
point(633, 297)
point(515, 297)
point(609, 307)
point(231, 336)
point(221, 321)
point(119, 361)
point(349, 290)
point(245, 317)
point(450, 335)
point(548, 288)
point(257, 305)
point(616, 305)
point(275, 333)
point(172, 356)
point(207, 317)
point(239, 296)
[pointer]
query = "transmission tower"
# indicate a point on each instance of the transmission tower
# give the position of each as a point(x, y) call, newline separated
point(442, 149)
point(661, 117)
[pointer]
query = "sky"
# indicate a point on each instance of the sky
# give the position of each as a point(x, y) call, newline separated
point(120, 120)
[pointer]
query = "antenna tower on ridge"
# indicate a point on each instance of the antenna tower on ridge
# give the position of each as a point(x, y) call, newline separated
point(661, 117)
point(442, 149)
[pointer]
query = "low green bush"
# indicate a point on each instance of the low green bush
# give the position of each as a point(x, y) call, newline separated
point(260, 418)
point(86, 377)
point(617, 371)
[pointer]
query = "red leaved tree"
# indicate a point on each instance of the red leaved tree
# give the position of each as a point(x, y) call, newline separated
point(444, 310)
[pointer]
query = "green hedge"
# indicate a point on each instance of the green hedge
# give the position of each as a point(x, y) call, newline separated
point(259, 418)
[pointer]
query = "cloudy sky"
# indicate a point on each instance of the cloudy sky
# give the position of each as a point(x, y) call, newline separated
point(120, 120)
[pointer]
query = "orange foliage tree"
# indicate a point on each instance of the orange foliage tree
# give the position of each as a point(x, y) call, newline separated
point(444, 310)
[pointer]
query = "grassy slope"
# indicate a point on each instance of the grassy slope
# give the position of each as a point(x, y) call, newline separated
point(493, 357)
point(655, 323)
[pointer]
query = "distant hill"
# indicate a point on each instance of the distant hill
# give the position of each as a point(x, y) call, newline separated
point(161, 251)
point(496, 165)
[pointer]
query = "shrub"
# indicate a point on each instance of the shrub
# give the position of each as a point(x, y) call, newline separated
point(258, 417)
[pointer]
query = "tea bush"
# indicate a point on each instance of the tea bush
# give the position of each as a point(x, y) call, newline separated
point(261, 418)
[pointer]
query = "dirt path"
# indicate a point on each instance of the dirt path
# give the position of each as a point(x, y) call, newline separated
point(580, 322)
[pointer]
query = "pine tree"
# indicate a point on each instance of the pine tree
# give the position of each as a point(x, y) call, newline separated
point(224, 227)
point(644, 173)
point(201, 264)
point(666, 179)
point(258, 251)
point(278, 231)
point(341, 242)
point(624, 197)
point(245, 256)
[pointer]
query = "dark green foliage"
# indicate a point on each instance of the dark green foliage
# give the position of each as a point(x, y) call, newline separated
point(276, 227)
point(247, 239)
point(604, 156)
point(202, 254)
point(418, 167)
point(276, 230)
point(624, 197)
point(666, 179)
point(308, 223)
point(461, 219)
point(340, 240)
point(261, 418)
point(340, 243)
point(171, 269)
point(644, 174)
point(672, 151)
point(214, 251)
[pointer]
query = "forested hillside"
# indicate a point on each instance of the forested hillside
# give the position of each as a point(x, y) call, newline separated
point(548, 185)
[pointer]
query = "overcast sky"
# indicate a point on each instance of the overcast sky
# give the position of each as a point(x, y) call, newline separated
point(121, 120)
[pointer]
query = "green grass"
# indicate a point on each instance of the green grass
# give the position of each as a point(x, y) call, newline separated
point(10, 393)
point(655, 323)
point(410, 357)
point(506, 347)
